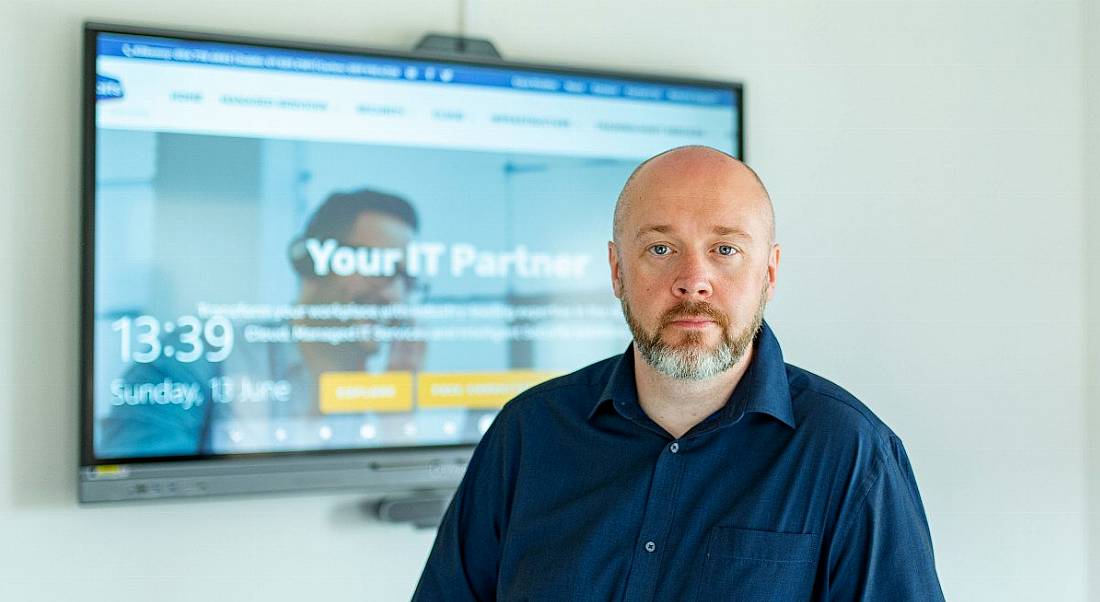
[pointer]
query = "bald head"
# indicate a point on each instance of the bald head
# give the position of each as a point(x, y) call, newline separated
point(693, 170)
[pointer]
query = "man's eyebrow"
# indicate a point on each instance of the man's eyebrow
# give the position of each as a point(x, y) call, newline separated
point(727, 231)
point(659, 228)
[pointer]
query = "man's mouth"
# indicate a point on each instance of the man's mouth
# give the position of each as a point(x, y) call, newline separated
point(691, 322)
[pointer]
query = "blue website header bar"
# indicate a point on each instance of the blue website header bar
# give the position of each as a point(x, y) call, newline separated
point(325, 63)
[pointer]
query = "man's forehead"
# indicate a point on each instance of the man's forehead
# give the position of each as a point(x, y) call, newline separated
point(721, 208)
point(692, 217)
point(702, 184)
point(692, 183)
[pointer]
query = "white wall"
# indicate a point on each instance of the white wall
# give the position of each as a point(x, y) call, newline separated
point(928, 166)
point(1091, 164)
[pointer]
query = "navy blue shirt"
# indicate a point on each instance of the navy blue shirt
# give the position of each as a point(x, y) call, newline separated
point(793, 490)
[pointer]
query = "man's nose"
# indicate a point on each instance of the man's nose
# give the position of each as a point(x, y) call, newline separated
point(694, 278)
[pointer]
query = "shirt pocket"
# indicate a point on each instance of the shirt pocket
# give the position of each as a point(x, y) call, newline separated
point(747, 565)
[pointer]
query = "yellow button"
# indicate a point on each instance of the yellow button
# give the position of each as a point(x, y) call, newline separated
point(474, 389)
point(344, 392)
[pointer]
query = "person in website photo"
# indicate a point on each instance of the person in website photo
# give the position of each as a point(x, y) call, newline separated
point(265, 391)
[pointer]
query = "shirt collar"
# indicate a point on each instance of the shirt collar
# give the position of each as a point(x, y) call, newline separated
point(762, 389)
point(621, 389)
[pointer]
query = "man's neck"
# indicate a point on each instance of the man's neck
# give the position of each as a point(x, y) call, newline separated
point(678, 405)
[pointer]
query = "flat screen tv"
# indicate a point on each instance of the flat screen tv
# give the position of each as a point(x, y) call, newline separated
point(320, 267)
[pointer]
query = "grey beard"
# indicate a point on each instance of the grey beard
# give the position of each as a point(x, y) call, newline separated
point(693, 362)
point(689, 364)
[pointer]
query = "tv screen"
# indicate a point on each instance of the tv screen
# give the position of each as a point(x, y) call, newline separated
point(309, 266)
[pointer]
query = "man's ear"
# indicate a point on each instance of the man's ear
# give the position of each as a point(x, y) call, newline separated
point(773, 270)
point(616, 275)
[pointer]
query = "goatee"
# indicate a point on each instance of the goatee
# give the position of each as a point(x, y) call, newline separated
point(689, 359)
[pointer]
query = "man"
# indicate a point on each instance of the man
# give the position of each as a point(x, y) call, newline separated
point(697, 466)
point(358, 219)
point(290, 416)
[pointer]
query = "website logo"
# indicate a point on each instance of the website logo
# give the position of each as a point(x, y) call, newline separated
point(107, 87)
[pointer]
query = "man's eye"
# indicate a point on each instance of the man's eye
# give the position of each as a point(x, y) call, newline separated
point(726, 250)
point(660, 250)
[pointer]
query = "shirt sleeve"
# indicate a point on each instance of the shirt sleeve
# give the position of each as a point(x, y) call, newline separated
point(883, 550)
point(465, 558)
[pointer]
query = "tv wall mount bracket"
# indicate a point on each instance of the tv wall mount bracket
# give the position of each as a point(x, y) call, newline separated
point(444, 44)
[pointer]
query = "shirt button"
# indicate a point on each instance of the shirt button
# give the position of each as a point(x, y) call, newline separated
point(650, 546)
point(675, 447)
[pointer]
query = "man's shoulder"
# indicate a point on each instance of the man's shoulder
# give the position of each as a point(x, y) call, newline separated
point(848, 439)
point(573, 391)
point(822, 406)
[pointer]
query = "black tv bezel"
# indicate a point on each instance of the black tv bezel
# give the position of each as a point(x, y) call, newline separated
point(88, 181)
